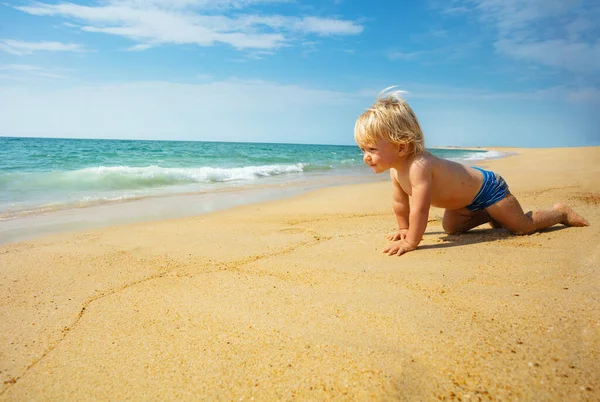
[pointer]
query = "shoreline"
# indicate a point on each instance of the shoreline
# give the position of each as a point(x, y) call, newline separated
point(29, 224)
point(156, 208)
point(293, 299)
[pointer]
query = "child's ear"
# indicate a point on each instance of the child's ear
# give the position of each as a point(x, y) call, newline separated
point(404, 149)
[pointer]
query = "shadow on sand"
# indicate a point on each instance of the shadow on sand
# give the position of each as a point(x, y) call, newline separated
point(476, 236)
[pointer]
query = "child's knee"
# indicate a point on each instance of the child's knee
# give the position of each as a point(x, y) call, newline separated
point(446, 225)
point(451, 229)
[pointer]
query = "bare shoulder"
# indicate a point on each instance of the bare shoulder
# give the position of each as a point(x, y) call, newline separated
point(422, 164)
point(441, 165)
point(425, 159)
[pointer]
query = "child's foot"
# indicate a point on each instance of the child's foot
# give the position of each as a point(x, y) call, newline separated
point(571, 218)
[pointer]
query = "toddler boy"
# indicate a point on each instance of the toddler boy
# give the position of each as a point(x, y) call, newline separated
point(391, 139)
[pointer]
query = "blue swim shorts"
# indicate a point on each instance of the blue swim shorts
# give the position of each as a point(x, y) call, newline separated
point(493, 189)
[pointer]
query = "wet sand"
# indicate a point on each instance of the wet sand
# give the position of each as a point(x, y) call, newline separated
point(293, 299)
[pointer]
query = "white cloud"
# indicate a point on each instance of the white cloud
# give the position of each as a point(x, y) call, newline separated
point(562, 94)
point(21, 48)
point(577, 57)
point(584, 95)
point(20, 67)
point(447, 53)
point(405, 56)
point(153, 22)
point(198, 4)
point(304, 25)
point(204, 77)
point(138, 48)
point(22, 71)
point(556, 33)
point(326, 26)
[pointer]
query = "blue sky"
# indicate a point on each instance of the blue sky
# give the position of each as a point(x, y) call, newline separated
point(476, 72)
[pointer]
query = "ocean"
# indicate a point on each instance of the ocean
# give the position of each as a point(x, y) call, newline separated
point(50, 185)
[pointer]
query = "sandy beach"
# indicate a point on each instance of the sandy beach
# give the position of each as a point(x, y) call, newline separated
point(293, 299)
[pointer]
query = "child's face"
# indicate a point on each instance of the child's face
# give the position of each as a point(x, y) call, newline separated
point(381, 156)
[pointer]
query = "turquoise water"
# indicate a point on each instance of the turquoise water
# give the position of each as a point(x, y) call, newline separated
point(45, 174)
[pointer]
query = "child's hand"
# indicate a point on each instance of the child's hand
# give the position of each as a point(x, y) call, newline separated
point(399, 247)
point(399, 235)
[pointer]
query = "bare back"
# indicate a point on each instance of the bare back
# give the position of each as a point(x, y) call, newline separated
point(453, 185)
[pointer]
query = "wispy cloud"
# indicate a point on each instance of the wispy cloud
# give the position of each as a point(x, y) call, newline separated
point(139, 48)
point(21, 48)
point(199, 4)
point(406, 56)
point(584, 95)
point(19, 67)
point(158, 22)
point(577, 57)
point(555, 33)
point(23, 70)
point(558, 93)
point(325, 26)
point(438, 55)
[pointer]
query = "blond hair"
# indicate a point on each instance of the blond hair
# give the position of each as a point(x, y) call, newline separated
point(390, 118)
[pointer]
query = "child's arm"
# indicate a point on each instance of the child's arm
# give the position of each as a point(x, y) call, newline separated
point(401, 208)
point(421, 202)
point(421, 181)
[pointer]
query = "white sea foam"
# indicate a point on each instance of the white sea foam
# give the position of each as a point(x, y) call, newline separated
point(484, 155)
point(156, 175)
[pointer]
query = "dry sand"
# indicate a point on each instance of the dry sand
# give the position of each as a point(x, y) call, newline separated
point(294, 300)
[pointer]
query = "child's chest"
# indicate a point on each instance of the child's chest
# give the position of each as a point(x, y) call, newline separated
point(404, 182)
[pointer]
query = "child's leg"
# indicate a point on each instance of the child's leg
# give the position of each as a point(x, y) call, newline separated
point(461, 220)
point(508, 213)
